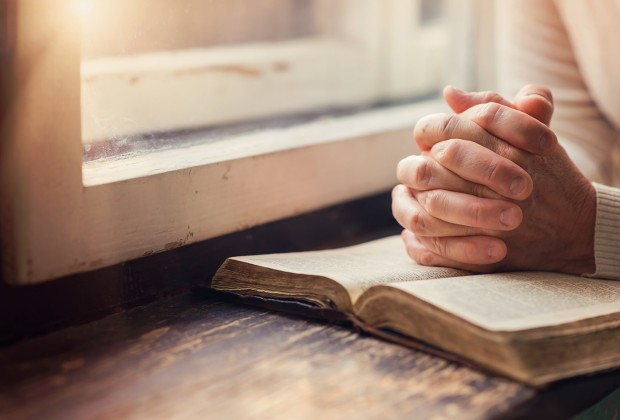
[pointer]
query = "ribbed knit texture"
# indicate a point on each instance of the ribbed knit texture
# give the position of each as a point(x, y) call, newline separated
point(572, 47)
point(607, 233)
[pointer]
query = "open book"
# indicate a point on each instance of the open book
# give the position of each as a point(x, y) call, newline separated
point(534, 327)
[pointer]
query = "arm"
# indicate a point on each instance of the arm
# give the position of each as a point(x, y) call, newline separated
point(534, 46)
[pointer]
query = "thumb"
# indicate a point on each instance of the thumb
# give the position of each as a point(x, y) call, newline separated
point(461, 101)
point(536, 101)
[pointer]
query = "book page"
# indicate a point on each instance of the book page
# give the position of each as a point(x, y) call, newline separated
point(518, 301)
point(357, 267)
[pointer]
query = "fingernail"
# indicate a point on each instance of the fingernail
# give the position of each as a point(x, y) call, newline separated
point(540, 95)
point(508, 217)
point(546, 141)
point(517, 186)
point(457, 90)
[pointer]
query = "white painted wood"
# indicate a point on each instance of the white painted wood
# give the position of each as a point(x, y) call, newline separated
point(174, 198)
point(53, 224)
point(350, 129)
point(41, 191)
point(376, 51)
point(168, 91)
point(472, 52)
point(416, 55)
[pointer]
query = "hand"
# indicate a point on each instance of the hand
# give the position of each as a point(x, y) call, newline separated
point(456, 202)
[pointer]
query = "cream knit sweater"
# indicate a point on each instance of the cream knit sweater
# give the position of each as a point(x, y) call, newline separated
point(573, 47)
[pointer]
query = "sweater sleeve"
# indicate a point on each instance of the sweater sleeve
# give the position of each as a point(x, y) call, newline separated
point(607, 233)
point(534, 46)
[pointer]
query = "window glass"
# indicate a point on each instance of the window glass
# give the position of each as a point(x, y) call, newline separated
point(160, 73)
point(121, 27)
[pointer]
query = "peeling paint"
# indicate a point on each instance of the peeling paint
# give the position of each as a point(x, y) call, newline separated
point(281, 67)
point(173, 245)
point(240, 70)
point(95, 263)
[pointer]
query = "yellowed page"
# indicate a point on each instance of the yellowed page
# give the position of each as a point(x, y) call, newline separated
point(518, 301)
point(357, 267)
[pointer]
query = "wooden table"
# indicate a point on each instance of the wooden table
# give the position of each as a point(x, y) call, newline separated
point(189, 356)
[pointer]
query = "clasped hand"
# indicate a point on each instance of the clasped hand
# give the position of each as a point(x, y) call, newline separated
point(494, 190)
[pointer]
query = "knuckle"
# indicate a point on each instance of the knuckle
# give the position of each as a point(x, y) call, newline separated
point(475, 212)
point(490, 113)
point(491, 170)
point(417, 224)
point(438, 203)
point(425, 258)
point(430, 200)
point(491, 96)
point(423, 173)
point(434, 127)
point(448, 154)
point(449, 126)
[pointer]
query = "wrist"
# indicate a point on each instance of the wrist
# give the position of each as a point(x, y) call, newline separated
point(582, 244)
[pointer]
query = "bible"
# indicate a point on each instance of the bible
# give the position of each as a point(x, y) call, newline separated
point(534, 327)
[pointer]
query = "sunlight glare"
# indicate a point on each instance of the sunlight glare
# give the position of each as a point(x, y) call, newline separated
point(84, 9)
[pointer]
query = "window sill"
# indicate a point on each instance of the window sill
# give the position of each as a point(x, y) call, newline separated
point(353, 129)
point(134, 206)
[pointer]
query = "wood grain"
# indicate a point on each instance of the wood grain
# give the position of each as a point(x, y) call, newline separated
point(191, 357)
point(25, 311)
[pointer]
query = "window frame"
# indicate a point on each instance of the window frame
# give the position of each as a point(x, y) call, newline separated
point(365, 61)
point(54, 225)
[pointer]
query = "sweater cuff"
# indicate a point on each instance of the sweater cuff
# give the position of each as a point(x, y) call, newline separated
point(607, 233)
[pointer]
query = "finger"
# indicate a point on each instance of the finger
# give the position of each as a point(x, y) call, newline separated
point(467, 210)
point(472, 162)
point(436, 128)
point(424, 255)
point(513, 126)
point(536, 101)
point(410, 215)
point(424, 173)
point(460, 100)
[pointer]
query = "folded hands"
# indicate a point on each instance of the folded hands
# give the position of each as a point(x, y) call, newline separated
point(494, 190)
